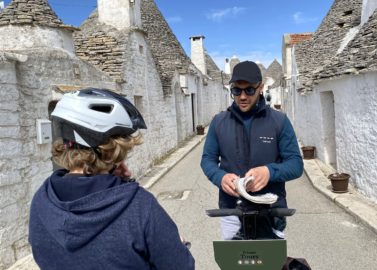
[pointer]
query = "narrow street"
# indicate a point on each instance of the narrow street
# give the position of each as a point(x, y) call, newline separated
point(320, 231)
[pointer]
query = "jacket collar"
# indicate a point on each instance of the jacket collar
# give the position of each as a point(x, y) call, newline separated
point(258, 109)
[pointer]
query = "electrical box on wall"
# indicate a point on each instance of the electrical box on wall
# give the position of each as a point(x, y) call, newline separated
point(44, 133)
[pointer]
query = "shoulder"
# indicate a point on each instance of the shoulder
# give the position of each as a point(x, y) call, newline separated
point(146, 200)
point(277, 117)
point(144, 195)
point(152, 211)
point(220, 116)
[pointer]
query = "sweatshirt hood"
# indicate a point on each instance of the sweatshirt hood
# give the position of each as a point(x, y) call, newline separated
point(74, 224)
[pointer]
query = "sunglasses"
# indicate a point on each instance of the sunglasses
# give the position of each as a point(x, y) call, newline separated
point(250, 91)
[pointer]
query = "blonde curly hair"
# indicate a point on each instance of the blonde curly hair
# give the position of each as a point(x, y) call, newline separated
point(109, 154)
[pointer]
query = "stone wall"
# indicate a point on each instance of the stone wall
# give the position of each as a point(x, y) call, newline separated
point(213, 100)
point(12, 193)
point(143, 81)
point(16, 37)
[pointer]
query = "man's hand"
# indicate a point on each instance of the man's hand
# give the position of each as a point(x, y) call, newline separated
point(228, 185)
point(261, 176)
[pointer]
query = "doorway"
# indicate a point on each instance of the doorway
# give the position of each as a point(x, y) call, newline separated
point(193, 110)
point(328, 125)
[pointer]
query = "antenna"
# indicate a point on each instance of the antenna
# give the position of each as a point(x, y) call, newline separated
point(1, 5)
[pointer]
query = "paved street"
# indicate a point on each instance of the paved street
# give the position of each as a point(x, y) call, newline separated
point(323, 233)
point(320, 231)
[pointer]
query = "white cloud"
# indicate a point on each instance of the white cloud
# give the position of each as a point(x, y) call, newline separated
point(219, 15)
point(299, 18)
point(175, 19)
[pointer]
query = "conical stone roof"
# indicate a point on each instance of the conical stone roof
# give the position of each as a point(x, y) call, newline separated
point(275, 71)
point(32, 12)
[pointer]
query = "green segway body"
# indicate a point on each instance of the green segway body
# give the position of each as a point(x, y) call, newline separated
point(250, 254)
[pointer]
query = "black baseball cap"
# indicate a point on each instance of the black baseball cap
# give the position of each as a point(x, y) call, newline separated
point(246, 71)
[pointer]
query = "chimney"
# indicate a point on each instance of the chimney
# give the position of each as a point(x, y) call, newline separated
point(227, 66)
point(197, 53)
point(233, 61)
point(120, 13)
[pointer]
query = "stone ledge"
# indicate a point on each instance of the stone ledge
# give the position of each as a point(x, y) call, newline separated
point(353, 202)
point(26, 263)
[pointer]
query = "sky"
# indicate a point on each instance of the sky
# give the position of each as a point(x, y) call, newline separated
point(249, 29)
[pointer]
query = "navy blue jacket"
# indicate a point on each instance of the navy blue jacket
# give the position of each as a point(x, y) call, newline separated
point(238, 141)
point(101, 222)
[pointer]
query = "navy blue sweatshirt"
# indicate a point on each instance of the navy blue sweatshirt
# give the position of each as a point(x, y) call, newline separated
point(101, 222)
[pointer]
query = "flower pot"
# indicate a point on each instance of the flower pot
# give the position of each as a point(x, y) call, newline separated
point(200, 130)
point(339, 182)
point(308, 152)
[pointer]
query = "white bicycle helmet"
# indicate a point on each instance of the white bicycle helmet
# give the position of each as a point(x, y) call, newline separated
point(90, 116)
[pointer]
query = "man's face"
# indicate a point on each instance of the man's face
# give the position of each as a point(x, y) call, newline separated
point(244, 101)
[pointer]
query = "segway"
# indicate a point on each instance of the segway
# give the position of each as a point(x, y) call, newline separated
point(253, 247)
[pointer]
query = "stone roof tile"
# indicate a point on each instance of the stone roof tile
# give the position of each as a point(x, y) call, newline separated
point(360, 55)
point(102, 46)
point(33, 12)
point(212, 69)
point(275, 71)
point(313, 54)
point(167, 52)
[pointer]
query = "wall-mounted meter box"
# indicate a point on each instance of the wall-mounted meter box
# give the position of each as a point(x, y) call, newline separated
point(44, 133)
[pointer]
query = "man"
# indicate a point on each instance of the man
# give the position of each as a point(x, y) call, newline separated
point(250, 139)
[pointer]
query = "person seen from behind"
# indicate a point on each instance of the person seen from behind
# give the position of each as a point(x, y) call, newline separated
point(250, 139)
point(91, 214)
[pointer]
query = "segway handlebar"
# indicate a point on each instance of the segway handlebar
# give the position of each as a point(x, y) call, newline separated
point(224, 212)
point(281, 212)
point(274, 212)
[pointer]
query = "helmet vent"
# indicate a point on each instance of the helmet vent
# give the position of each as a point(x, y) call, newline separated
point(105, 108)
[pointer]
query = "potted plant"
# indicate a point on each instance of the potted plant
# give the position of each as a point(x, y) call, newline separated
point(308, 152)
point(200, 129)
point(339, 182)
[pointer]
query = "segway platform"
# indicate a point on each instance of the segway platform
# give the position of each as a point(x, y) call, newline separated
point(250, 254)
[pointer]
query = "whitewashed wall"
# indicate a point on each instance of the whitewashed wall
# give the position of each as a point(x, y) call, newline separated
point(143, 81)
point(16, 37)
point(354, 135)
point(214, 100)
